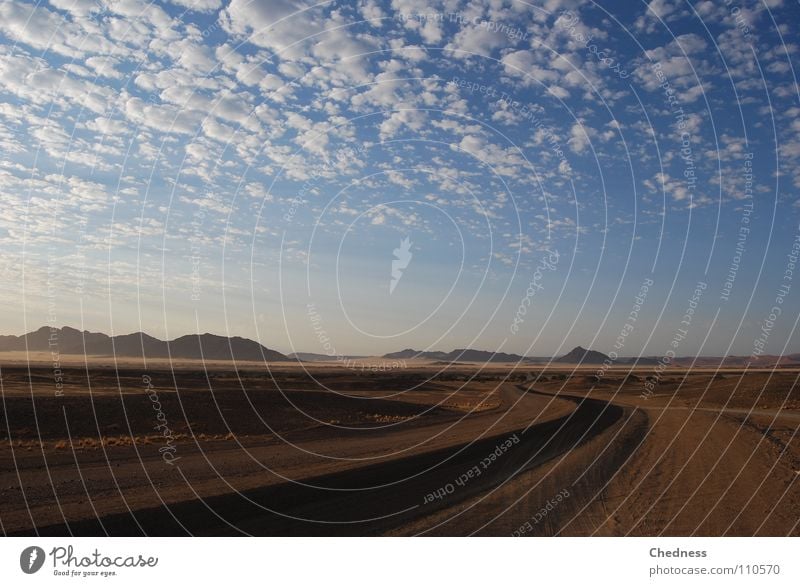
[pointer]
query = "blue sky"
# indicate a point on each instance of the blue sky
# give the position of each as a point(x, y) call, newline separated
point(226, 166)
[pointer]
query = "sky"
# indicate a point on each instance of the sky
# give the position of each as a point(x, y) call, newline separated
point(361, 177)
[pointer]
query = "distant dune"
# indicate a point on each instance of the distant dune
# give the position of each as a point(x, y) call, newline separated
point(642, 361)
point(313, 357)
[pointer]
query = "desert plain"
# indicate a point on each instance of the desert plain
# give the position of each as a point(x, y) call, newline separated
point(377, 447)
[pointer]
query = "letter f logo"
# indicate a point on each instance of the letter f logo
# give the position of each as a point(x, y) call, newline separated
point(31, 559)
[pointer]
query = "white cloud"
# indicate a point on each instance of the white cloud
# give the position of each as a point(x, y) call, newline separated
point(79, 7)
point(421, 16)
point(42, 29)
point(104, 66)
point(141, 10)
point(198, 5)
point(657, 10)
point(280, 25)
point(683, 67)
point(477, 40)
point(164, 118)
point(524, 64)
point(396, 121)
point(370, 10)
point(579, 138)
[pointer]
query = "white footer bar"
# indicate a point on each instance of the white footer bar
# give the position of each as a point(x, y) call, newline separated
point(400, 562)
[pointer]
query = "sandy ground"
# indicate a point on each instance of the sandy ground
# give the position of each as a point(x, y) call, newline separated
point(359, 451)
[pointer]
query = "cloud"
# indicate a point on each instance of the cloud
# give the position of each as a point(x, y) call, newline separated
point(164, 118)
point(198, 5)
point(280, 25)
point(77, 7)
point(477, 40)
point(656, 11)
point(104, 66)
point(422, 17)
point(682, 66)
point(370, 10)
point(414, 120)
point(42, 29)
point(579, 138)
point(524, 64)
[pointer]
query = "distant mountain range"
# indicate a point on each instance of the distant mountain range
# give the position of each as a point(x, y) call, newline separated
point(461, 354)
point(581, 355)
point(212, 347)
point(68, 340)
point(469, 355)
point(578, 355)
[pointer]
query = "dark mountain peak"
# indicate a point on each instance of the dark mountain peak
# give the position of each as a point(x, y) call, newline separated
point(580, 355)
point(205, 335)
point(140, 335)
